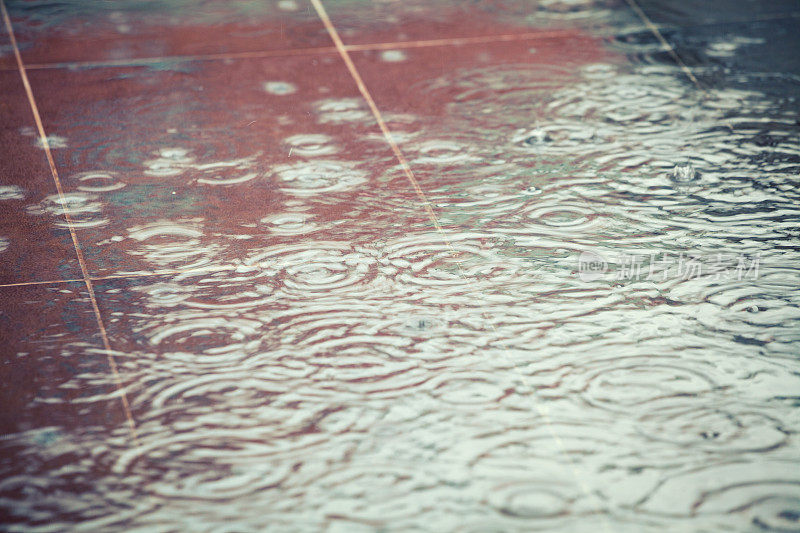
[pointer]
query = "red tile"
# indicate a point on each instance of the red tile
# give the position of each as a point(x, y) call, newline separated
point(216, 158)
point(54, 371)
point(35, 243)
point(120, 31)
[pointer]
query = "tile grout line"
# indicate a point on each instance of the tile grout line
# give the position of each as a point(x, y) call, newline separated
point(362, 88)
point(81, 261)
point(128, 276)
point(665, 45)
point(343, 52)
point(429, 43)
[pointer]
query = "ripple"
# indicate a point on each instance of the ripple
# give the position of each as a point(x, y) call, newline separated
point(568, 216)
point(529, 500)
point(312, 144)
point(165, 294)
point(203, 466)
point(170, 162)
point(11, 192)
point(316, 177)
point(360, 372)
point(179, 161)
point(766, 493)
point(290, 223)
point(53, 141)
point(466, 263)
point(288, 5)
point(206, 340)
point(99, 182)
point(622, 384)
point(714, 429)
point(84, 210)
point(381, 493)
point(171, 244)
point(318, 269)
point(441, 153)
point(341, 111)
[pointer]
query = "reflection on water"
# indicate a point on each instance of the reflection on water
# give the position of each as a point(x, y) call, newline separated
point(403, 381)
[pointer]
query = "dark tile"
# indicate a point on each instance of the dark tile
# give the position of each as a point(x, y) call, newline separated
point(753, 55)
point(362, 21)
point(689, 13)
point(120, 31)
point(35, 243)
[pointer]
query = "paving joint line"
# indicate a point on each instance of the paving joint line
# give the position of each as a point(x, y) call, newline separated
point(290, 52)
point(130, 276)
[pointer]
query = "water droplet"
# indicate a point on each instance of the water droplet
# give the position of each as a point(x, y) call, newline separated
point(534, 138)
point(683, 172)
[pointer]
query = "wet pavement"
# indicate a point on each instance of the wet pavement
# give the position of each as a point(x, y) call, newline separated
point(498, 265)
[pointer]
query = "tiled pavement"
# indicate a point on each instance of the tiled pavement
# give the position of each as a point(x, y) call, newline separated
point(256, 312)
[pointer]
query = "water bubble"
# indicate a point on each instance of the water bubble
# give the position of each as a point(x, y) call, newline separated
point(683, 172)
point(533, 138)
